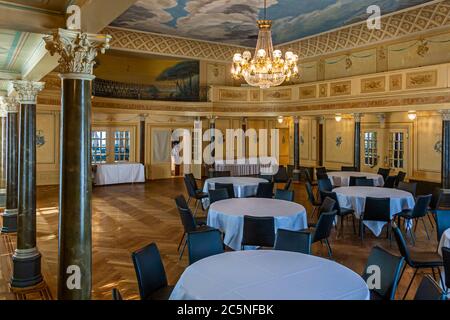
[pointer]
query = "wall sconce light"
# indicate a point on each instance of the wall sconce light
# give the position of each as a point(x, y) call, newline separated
point(412, 115)
point(338, 117)
point(280, 119)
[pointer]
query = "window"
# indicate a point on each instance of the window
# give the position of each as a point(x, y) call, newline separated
point(397, 150)
point(99, 146)
point(121, 146)
point(370, 149)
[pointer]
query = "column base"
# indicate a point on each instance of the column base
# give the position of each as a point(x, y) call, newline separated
point(9, 221)
point(26, 268)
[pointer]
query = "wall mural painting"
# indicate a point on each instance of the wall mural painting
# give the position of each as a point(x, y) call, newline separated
point(178, 82)
point(339, 141)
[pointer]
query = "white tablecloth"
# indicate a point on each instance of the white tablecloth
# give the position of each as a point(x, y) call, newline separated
point(445, 241)
point(228, 216)
point(243, 186)
point(247, 167)
point(355, 198)
point(117, 173)
point(269, 275)
point(342, 179)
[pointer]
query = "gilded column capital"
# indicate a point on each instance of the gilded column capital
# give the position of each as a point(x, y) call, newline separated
point(77, 51)
point(9, 104)
point(27, 91)
point(296, 119)
point(445, 115)
point(357, 117)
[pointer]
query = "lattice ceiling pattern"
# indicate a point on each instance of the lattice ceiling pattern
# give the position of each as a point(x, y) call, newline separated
point(169, 46)
point(394, 26)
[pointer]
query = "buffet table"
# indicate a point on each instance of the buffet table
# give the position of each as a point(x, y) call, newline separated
point(118, 173)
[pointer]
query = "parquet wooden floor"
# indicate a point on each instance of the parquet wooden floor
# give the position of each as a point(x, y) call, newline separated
point(127, 217)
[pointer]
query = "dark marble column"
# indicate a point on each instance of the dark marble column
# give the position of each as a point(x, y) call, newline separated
point(445, 149)
point(142, 138)
point(26, 258)
point(12, 136)
point(77, 59)
point(244, 128)
point(357, 146)
point(212, 127)
point(3, 119)
point(297, 173)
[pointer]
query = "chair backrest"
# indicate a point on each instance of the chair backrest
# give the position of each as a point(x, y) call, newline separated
point(442, 222)
point(265, 190)
point(189, 187)
point(181, 202)
point(421, 207)
point(322, 176)
point(377, 209)
point(400, 178)
point(281, 176)
point(410, 187)
point(389, 182)
point(228, 186)
point(429, 289)
point(321, 170)
point(349, 169)
point(193, 181)
point(258, 231)
point(352, 181)
point(288, 185)
point(116, 295)
point(325, 185)
point(436, 198)
point(364, 182)
point(219, 174)
point(187, 219)
point(310, 192)
point(328, 205)
point(324, 226)
point(269, 178)
point(290, 170)
point(308, 176)
point(294, 241)
point(390, 267)
point(384, 172)
point(284, 195)
point(332, 195)
point(217, 195)
point(401, 244)
point(203, 244)
point(150, 272)
point(446, 259)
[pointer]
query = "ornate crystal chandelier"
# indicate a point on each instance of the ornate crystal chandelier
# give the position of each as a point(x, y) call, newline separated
point(267, 68)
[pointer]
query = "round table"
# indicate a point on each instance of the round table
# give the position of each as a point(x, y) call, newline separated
point(228, 216)
point(243, 186)
point(342, 179)
point(269, 275)
point(355, 198)
point(445, 241)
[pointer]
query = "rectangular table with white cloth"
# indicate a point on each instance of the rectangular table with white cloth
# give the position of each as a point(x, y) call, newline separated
point(118, 173)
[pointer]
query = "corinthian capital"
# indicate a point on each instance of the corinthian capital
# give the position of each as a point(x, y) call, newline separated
point(27, 91)
point(9, 104)
point(77, 50)
point(445, 115)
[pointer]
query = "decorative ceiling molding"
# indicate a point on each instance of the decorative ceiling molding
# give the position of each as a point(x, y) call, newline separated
point(395, 26)
point(158, 44)
point(427, 19)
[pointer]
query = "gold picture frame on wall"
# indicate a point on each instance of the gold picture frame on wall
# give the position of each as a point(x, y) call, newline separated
point(341, 88)
point(308, 92)
point(396, 82)
point(373, 85)
point(423, 79)
point(233, 95)
point(323, 90)
point(277, 95)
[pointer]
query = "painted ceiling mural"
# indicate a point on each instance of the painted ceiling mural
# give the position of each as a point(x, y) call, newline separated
point(234, 21)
